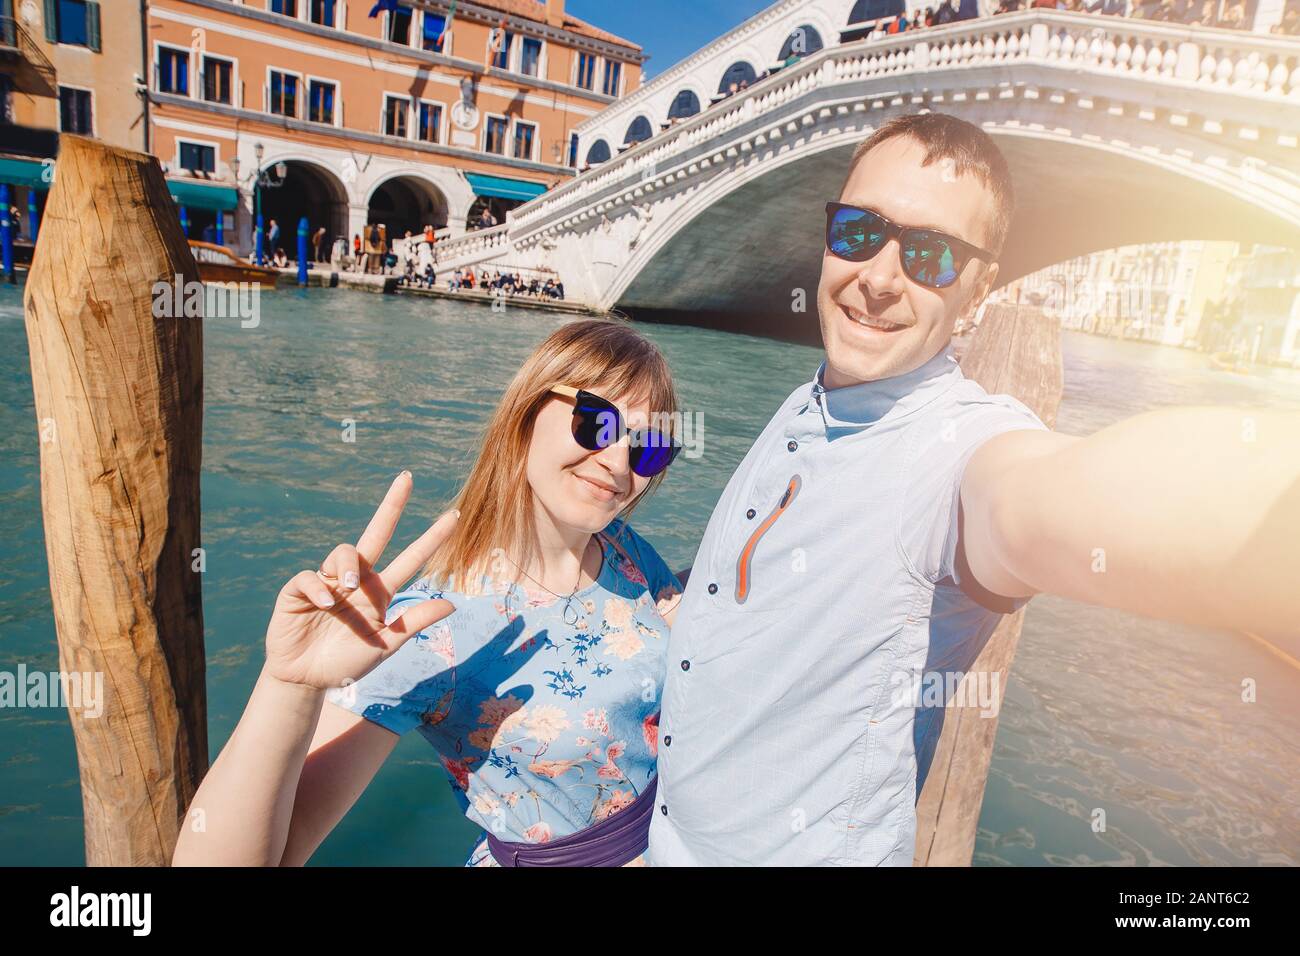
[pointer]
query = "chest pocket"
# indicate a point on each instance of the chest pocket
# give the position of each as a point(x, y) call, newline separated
point(744, 562)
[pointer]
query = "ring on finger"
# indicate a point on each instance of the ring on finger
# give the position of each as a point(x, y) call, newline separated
point(325, 575)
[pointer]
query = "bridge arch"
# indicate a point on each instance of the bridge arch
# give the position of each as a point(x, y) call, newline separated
point(685, 103)
point(637, 130)
point(698, 265)
point(867, 11)
point(804, 40)
point(739, 72)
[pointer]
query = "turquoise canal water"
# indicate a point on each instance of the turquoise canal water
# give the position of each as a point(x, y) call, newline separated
point(1141, 718)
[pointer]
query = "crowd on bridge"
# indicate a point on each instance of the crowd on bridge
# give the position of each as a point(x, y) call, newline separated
point(1221, 14)
point(506, 283)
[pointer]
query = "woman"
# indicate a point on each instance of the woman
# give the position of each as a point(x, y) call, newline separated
point(530, 653)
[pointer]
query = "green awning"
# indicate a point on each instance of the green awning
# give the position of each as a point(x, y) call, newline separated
point(202, 195)
point(503, 188)
point(23, 172)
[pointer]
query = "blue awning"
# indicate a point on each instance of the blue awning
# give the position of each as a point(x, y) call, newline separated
point(24, 172)
point(503, 188)
point(202, 195)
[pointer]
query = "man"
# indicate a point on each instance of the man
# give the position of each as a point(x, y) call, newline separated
point(891, 511)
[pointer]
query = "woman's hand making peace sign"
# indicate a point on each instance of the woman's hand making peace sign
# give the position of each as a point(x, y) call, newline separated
point(328, 627)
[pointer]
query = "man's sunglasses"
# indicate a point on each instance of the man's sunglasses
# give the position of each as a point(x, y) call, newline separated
point(933, 259)
point(597, 424)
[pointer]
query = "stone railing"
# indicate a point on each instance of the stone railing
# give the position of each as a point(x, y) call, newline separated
point(479, 244)
point(1206, 63)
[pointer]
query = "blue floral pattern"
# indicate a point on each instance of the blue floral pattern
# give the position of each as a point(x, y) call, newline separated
point(544, 711)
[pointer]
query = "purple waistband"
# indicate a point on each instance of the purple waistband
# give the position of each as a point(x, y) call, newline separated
point(615, 840)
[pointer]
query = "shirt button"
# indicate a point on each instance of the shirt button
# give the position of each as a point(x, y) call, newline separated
point(686, 665)
point(713, 589)
point(750, 513)
point(663, 808)
point(791, 445)
point(668, 740)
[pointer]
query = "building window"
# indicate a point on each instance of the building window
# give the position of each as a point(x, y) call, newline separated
point(288, 8)
point(216, 79)
point(323, 12)
point(284, 94)
point(586, 70)
point(399, 26)
point(430, 122)
point(495, 141)
point(395, 110)
point(432, 39)
point(320, 102)
point(75, 112)
point(173, 71)
point(6, 99)
point(524, 140)
point(73, 22)
point(612, 70)
point(573, 150)
point(500, 40)
point(198, 158)
point(530, 59)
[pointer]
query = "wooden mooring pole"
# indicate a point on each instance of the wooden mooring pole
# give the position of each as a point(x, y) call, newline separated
point(1015, 351)
point(119, 411)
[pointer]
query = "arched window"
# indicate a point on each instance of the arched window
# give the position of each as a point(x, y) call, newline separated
point(801, 42)
point(866, 11)
point(597, 152)
point(685, 103)
point(737, 73)
point(638, 130)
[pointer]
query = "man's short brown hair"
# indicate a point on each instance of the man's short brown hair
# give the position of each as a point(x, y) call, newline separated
point(971, 151)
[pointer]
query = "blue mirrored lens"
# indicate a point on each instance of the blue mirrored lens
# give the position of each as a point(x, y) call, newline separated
point(930, 260)
point(855, 234)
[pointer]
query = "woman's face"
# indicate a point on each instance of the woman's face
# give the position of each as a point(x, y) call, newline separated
point(580, 489)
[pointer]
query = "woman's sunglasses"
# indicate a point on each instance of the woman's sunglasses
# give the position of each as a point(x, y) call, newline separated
point(597, 424)
point(933, 259)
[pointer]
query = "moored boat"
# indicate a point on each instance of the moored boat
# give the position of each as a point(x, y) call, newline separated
point(220, 264)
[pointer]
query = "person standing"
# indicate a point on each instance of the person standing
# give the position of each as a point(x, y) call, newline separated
point(892, 511)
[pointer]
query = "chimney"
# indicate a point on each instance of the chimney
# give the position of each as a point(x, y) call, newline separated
point(555, 12)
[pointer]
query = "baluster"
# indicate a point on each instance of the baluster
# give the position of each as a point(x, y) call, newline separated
point(1208, 63)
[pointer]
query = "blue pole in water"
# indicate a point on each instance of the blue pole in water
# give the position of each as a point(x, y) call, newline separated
point(220, 217)
point(6, 233)
point(33, 215)
point(185, 222)
point(257, 239)
point(302, 250)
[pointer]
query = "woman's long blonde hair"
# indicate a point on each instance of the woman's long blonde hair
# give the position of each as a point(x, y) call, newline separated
point(496, 502)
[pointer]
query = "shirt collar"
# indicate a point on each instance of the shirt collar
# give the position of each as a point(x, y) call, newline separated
point(855, 406)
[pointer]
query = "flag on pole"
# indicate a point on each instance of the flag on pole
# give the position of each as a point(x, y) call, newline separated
point(381, 5)
point(498, 37)
point(446, 27)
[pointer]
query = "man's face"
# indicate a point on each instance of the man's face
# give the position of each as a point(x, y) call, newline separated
point(891, 180)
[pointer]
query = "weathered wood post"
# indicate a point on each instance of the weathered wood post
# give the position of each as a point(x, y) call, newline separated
point(119, 409)
point(1016, 351)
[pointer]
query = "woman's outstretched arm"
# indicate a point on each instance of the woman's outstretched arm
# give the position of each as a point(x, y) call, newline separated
point(325, 631)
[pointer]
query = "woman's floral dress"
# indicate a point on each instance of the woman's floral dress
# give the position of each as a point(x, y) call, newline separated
point(544, 711)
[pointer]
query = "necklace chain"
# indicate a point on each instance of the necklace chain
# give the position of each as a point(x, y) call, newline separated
point(576, 587)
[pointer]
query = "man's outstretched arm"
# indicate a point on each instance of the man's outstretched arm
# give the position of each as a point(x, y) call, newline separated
point(1190, 514)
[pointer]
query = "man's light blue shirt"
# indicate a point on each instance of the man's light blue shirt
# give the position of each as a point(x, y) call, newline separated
point(826, 583)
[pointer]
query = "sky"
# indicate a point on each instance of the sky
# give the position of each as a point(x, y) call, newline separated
point(668, 30)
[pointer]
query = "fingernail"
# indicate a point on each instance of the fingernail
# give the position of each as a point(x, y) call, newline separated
point(329, 601)
point(455, 513)
point(404, 472)
point(351, 580)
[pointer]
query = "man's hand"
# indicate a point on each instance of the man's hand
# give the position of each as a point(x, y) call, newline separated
point(1189, 514)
